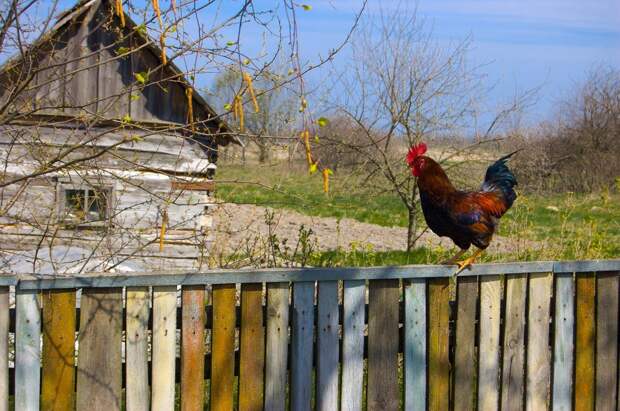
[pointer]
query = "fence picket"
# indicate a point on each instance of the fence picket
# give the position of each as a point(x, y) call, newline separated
point(383, 345)
point(438, 340)
point(27, 350)
point(465, 350)
point(488, 363)
point(538, 369)
point(99, 374)
point(301, 345)
point(606, 340)
point(514, 344)
point(193, 348)
point(4, 348)
point(585, 342)
point(276, 346)
point(327, 346)
point(137, 397)
point(252, 348)
point(353, 345)
point(58, 382)
point(164, 347)
point(415, 345)
point(563, 342)
point(223, 347)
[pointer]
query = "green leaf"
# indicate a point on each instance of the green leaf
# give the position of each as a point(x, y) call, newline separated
point(141, 29)
point(126, 118)
point(313, 168)
point(328, 171)
point(231, 43)
point(246, 62)
point(141, 77)
point(122, 50)
point(227, 106)
point(306, 7)
point(322, 121)
point(134, 97)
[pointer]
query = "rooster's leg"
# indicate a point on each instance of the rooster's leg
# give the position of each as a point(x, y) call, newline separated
point(453, 259)
point(468, 261)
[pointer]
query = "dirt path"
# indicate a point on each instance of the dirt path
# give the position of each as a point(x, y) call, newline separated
point(241, 224)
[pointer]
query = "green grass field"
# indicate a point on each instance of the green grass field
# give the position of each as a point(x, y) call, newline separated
point(568, 226)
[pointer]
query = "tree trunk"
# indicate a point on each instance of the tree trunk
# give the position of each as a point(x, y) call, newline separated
point(411, 229)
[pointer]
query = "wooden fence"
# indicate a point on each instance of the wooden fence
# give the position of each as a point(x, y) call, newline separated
point(534, 336)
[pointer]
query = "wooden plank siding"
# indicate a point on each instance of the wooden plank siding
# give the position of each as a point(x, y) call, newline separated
point(465, 372)
point(193, 321)
point(223, 347)
point(488, 363)
point(327, 347)
point(137, 394)
point(415, 345)
point(564, 348)
point(438, 340)
point(252, 348)
point(353, 345)
point(276, 352)
point(585, 341)
point(606, 340)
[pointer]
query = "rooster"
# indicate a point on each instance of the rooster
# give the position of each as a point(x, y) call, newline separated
point(466, 217)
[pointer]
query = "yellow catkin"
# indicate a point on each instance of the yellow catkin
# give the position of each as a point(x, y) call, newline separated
point(240, 114)
point(158, 13)
point(162, 232)
point(248, 80)
point(119, 11)
point(162, 42)
point(326, 180)
point(305, 135)
point(189, 92)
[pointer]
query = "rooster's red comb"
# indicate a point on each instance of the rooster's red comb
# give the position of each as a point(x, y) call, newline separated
point(415, 151)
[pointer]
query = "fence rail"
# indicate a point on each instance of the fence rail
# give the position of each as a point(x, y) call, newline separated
point(513, 336)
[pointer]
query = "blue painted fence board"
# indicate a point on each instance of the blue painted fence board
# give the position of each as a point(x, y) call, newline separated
point(301, 347)
point(353, 345)
point(563, 347)
point(27, 350)
point(415, 345)
point(327, 347)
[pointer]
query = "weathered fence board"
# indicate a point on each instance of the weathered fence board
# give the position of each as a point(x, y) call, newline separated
point(137, 396)
point(301, 346)
point(563, 342)
point(415, 345)
point(438, 340)
point(585, 342)
point(488, 363)
point(99, 373)
point(27, 350)
point(276, 352)
point(514, 344)
point(164, 348)
point(193, 323)
point(223, 347)
point(252, 347)
point(606, 340)
point(538, 370)
point(383, 345)
point(465, 350)
point(353, 345)
point(4, 348)
point(327, 347)
point(58, 382)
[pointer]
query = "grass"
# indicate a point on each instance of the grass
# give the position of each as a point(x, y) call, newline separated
point(567, 226)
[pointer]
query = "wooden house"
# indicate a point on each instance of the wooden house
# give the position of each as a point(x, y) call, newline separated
point(107, 152)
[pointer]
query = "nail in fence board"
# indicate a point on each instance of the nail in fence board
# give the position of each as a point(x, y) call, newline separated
point(276, 346)
point(27, 350)
point(513, 369)
point(606, 340)
point(301, 346)
point(327, 346)
point(415, 345)
point(137, 395)
point(382, 389)
point(564, 348)
point(58, 382)
point(164, 347)
point(585, 342)
point(465, 350)
point(223, 347)
point(488, 363)
point(4, 348)
point(252, 347)
point(538, 354)
point(438, 354)
point(193, 323)
point(353, 345)
point(99, 371)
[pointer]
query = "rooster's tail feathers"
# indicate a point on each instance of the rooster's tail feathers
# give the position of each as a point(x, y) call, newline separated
point(500, 177)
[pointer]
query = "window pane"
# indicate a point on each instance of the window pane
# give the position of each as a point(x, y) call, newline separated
point(97, 205)
point(74, 203)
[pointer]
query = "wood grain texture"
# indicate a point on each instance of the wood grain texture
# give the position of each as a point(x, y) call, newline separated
point(353, 345)
point(465, 372)
point(415, 345)
point(58, 382)
point(382, 389)
point(606, 340)
point(488, 363)
point(585, 342)
point(563, 347)
point(99, 372)
point(513, 368)
point(223, 347)
point(438, 341)
point(27, 350)
point(164, 348)
point(252, 347)
point(327, 347)
point(4, 348)
point(193, 321)
point(538, 369)
point(276, 346)
point(137, 394)
point(301, 346)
